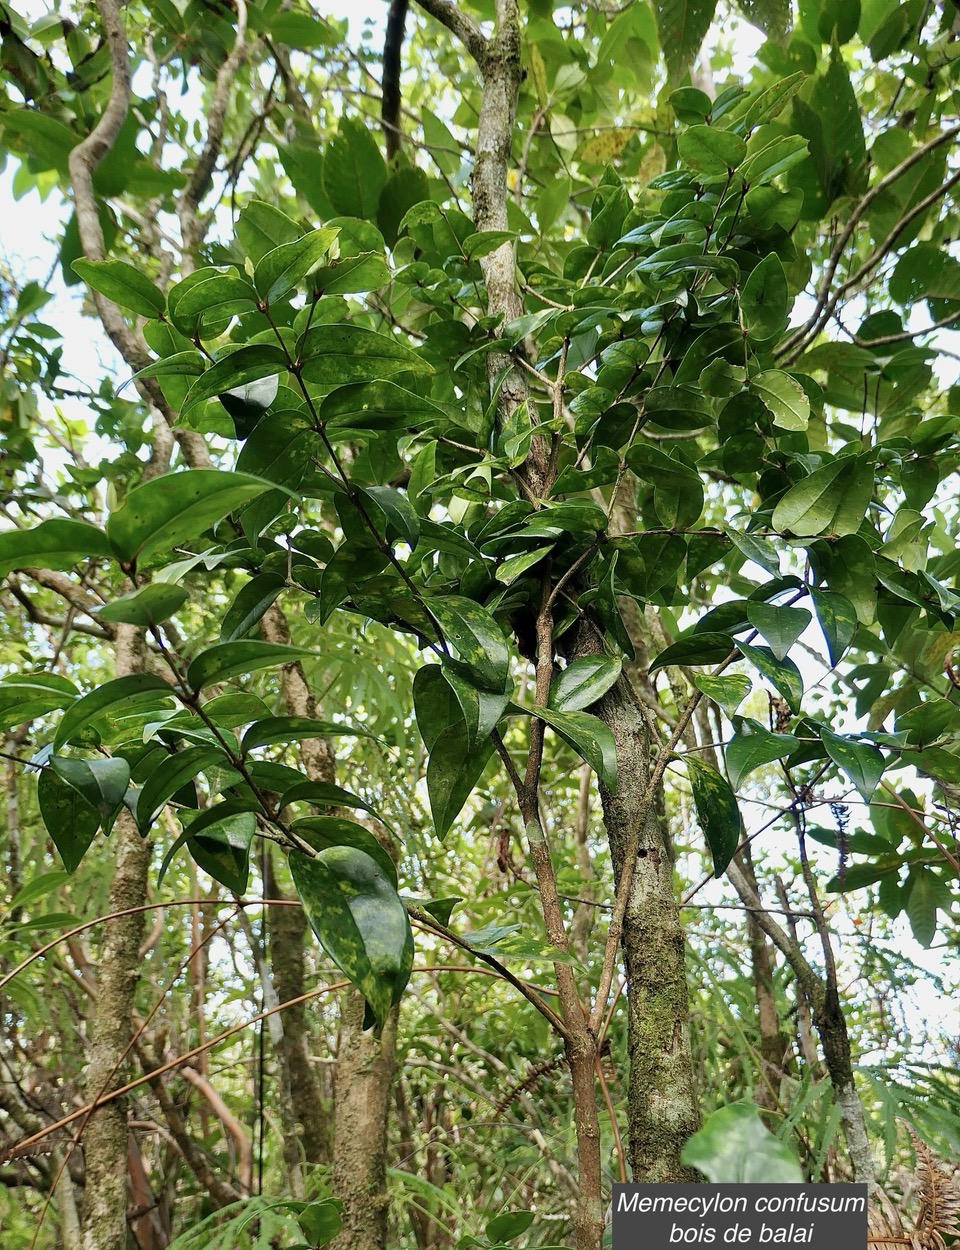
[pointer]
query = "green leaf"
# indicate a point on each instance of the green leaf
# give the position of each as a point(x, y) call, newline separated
point(782, 396)
point(322, 832)
point(481, 709)
point(222, 848)
point(833, 499)
point(354, 172)
point(234, 659)
point(101, 782)
point(232, 371)
point(717, 811)
point(735, 1148)
point(705, 648)
point(752, 746)
point(261, 227)
point(780, 627)
point(764, 304)
point(39, 887)
point(683, 24)
point(280, 271)
point(508, 1225)
point(375, 405)
point(589, 737)
point(728, 691)
point(515, 566)
point(147, 606)
point(70, 820)
point(783, 674)
point(583, 682)
point(169, 776)
point(27, 696)
point(326, 794)
point(392, 513)
point(359, 920)
point(477, 638)
point(862, 763)
point(453, 769)
point(320, 1220)
point(767, 159)
point(678, 492)
point(925, 893)
point(122, 692)
point(756, 549)
point(711, 150)
point(334, 355)
point(124, 285)
point(838, 621)
point(274, 729)
point(249, 605)
point(51, 545)
point(160, 514)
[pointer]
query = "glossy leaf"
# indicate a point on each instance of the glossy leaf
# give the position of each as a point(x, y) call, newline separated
point(238, 368)
point(250, 605)
point(838, 621)
point(122, 692)
point(861, 762)
point(222, 848)
point(728, 691)
point(147, 606)
point(160, 514)
point(832, 499)
point(780, 627)
point(717, 811)
point(336, 355)
point(322, 832)
point(52, 544)
point(783, 674)
point(764, 302)
point(752, 746)
point(23, 698)
point(453, 769)
point(705, 648)
point(359, 920)
point(239, 658)
point(293, 728)
point(70, 820)
point(782, 395)
point(477, 637)
point(281, 270)
point(168, 777)
point(589, 737)
point(583, 682)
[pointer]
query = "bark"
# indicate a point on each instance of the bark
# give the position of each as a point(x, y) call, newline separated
point(774, 1043)
point(365, 1072)
point(390, 108)
point(105, 1133)
point(662, 1104)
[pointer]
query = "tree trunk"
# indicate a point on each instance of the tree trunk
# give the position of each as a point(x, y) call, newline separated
point(365, 1071)
point(105, 1133)
point(662, 1103)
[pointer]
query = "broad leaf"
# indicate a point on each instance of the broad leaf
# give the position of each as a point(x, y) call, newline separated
point(783, 674)
point(717, 811)
point(238, 368)
point(280, 271)
point(147, 606)
point(477, 637)
point(453, 769)
point(221, 847)
point(70, 820)
point(728, 691)
point(121, 693)
point(783, 396)
point(753, 745)
point(124, 285)
point(734, 1148)
point(705, 648)
point(838, 621)
point(589, 737)
point(166, 511)
point(51, 545)
point(169, 776)
point(861, 762)
point(23, 698)
point(250, 605)
point(764, 303)
point(237, 659)
point(359, 920)
point(780, 627)
point(583, 682)
point(322, 832)
point(294, 728)
point(833, 499)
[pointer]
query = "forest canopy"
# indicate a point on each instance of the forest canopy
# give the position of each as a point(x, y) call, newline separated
point(480, 634)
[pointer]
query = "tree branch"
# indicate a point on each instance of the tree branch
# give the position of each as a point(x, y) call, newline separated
point(465, 28)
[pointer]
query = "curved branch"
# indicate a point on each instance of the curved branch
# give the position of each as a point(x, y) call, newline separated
point(459, 24)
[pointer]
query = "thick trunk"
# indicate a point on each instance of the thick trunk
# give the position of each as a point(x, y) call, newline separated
point(105, 1133)
point(365, 1072)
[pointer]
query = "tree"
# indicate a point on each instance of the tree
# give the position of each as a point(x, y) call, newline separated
point(566, 404)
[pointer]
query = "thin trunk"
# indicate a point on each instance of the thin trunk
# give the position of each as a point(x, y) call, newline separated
point(662, 1104)
point(365, 1073)
point(105, 1133)
point(774, 1043)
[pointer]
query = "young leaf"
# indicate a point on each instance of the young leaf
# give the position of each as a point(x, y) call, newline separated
point(717, 810)
point(783, 674)
point(51, 545)
point(780, 627)
point(165, 511)
point(862, 763)
point(583, 682)
point(122, 284)
point(147, 606)
point(838, 621)
point(234, 659)
point(238, 368)
point(359, 920)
